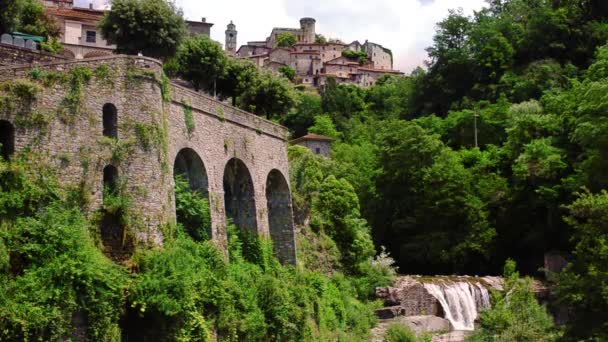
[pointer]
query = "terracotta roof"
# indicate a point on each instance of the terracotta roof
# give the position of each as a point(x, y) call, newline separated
point(264, 55)
point(75, 13)
point(198, 23)
point(310, 52)
point(382, 70)
point(319, 44)
point(312, 136)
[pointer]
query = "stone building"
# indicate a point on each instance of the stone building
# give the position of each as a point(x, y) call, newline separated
point(129, 125)
point(315, 62)
point(80, 35)
point(318, 144)
point(196, 28)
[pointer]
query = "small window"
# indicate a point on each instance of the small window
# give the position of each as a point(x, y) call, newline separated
point(7, 139)
point(110, 179)
point(91, 37)
point(110, 121)
point(317, 150)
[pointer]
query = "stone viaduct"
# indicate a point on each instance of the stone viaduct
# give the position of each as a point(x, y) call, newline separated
point(105, 119)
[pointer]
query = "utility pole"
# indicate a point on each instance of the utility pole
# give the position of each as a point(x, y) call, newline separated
point(475, 115)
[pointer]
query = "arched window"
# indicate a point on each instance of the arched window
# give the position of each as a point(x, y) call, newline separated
point(7, 139)
point(110, 179)
point(110, 121)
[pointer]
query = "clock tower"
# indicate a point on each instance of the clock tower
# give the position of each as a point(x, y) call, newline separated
point(231, 39)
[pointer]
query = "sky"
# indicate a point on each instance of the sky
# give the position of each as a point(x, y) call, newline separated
point(404, 26)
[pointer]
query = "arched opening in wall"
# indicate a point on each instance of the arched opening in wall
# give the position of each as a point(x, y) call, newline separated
point(280, 217)
point(239, 198)
point(94, 54)
point(68, 54)
point(192, 195)
point(110, 121)
point(117, 244)
point(110, 180)
point(7, 139)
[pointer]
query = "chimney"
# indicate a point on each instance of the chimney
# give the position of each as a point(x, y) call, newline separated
point(91, 5)
point(204, 20)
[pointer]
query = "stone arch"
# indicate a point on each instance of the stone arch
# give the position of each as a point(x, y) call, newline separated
point(110, 121)
point(189, 165)
point(280, 217)
point(7, 139)
point(96, 53)
point(68, 53)
point(239, 196)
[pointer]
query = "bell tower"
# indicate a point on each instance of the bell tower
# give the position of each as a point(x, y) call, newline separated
point(231, 39)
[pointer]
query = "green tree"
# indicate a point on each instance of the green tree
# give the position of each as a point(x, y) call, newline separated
point(153, 27)
point(450, 75)
point(285, 39)
point(301, 116)
point(337, 213)
point(288, 72)
point(271, 97)
point(238, 77)
point(203, 62)
point(320, 39)
point(27, 16)
point(9, 15)
point(583, 284)
point(324, 126)
point(429, 213)
point(515, 314)
point(341, 102)
point(33, 20)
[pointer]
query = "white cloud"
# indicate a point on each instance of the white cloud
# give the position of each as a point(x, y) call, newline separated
point(404, 26)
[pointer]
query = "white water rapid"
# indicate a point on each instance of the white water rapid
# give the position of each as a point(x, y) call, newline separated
point(461, 301)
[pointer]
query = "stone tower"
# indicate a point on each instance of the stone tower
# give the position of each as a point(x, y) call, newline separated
point(308, 30)
point(231, 39)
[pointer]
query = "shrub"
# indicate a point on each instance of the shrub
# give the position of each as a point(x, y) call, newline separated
point(399, 333)
point(192, 210)
point(515, 315)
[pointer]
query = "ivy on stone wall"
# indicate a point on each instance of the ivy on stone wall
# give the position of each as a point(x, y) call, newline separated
point(188, 118)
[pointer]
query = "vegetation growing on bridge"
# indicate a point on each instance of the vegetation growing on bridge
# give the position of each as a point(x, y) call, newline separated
point(53, 269)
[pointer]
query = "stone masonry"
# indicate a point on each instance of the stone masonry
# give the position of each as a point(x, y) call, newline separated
point(239, 157)
point(11, 55)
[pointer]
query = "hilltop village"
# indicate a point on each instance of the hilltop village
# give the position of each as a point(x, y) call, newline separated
point(313, 58)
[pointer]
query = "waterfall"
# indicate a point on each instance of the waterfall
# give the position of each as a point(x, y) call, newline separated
point(460, 301)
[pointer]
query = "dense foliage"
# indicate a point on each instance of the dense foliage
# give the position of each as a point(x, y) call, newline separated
point(515, 314)
point(27, 16)
point(497, 150)
point(57, 282)
point(482, 156)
